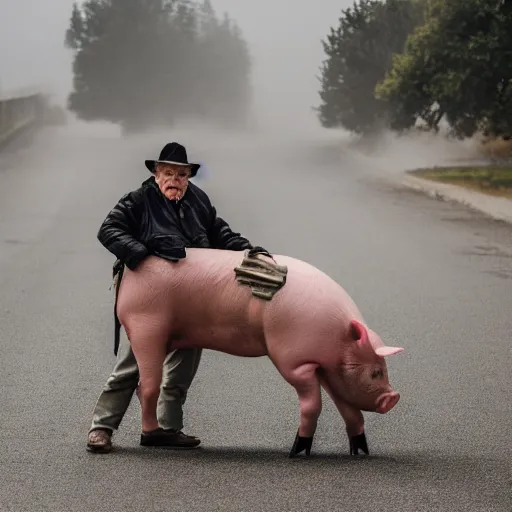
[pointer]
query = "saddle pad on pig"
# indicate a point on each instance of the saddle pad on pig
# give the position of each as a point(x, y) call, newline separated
point(264, 277)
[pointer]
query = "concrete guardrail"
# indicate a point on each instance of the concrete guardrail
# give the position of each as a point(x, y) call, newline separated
point(18, 113)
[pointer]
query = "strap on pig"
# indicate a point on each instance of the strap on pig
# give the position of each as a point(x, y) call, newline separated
point(117, 274)
point(264, 278)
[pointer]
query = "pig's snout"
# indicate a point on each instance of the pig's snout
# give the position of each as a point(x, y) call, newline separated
point(387, 401)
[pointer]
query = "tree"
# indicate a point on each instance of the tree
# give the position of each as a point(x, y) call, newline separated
point(359, 54)
point(226, 63)
point(139, 62)
point(208, 23)
point(117, 58)
point(457, 66)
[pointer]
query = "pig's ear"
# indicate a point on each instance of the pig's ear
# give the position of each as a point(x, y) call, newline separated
point(388, 351)
point(358, 331)
point(360, 334)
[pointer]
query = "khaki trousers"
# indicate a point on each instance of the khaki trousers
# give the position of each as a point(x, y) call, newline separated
point(179, 370)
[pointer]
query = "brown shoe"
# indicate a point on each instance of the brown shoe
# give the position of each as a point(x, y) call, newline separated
point(168, 439)
point(99, 441)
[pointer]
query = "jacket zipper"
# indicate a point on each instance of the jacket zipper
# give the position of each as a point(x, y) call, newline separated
point(181, 216)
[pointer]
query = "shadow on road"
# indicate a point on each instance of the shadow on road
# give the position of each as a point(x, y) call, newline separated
point(417, 462)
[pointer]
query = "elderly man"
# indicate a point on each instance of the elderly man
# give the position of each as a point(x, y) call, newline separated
point(162, 217)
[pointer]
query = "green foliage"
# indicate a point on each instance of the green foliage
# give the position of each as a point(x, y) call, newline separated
point(458, 65)
point(492, 177)
point(359, 54)
point(144, 62)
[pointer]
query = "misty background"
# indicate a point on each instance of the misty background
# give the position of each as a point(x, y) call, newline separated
point(285, 44)
point(284, 39)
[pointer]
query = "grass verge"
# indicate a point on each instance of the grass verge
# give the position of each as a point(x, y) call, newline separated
point(492, 180)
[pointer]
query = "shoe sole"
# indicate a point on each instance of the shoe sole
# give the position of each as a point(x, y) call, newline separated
point(168, 447)
point(99, 449)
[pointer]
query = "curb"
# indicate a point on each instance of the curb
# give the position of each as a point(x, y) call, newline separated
point(498, 208)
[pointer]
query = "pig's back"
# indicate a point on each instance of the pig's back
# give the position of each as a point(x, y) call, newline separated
point(205, 280)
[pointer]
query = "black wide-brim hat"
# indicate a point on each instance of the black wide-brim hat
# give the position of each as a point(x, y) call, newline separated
point(176, 154)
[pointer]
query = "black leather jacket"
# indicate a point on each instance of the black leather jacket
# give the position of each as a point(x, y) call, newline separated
point(145, 222)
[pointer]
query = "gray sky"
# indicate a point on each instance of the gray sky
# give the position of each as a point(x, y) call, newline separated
point(284, 37)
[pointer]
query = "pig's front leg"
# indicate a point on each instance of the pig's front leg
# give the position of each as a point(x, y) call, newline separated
point(305, 382)
point(354, 421)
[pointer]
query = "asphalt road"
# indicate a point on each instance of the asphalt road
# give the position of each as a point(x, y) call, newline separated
point(429, 276)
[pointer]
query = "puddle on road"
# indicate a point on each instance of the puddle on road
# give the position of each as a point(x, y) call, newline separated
point(502, 274)
point(485, 250)
point(14, 242)
point(458, 218)
point(498, 256)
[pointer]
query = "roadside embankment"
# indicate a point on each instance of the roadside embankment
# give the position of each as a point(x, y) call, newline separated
point(487, 189)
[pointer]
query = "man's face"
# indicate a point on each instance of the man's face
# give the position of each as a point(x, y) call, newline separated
point(172, 180)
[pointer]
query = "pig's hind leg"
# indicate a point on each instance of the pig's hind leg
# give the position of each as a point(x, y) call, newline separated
point(305, 381)
point(149, 340)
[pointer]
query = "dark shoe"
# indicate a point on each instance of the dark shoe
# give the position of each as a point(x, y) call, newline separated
point(169, 439)
point(99, 441)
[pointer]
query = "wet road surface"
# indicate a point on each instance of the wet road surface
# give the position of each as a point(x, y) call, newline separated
point(429, 276)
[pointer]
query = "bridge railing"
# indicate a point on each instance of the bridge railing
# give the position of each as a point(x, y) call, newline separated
point(19, 113)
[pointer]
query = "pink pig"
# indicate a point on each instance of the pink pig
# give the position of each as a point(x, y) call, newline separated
point(311, 330)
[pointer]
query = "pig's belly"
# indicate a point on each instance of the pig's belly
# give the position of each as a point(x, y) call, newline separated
point(234, 341)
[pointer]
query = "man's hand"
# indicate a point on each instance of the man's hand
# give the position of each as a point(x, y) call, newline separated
point(259, 251)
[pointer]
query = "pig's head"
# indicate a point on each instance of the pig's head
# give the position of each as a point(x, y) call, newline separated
point(364, 372)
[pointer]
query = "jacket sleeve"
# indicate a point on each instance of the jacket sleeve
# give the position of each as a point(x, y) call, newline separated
point(118, 232)
point(223, 237)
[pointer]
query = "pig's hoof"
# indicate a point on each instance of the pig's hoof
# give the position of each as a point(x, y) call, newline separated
point(301, 444)
point(358, 443)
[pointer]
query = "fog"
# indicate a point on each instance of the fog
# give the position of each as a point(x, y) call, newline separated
point(285, 42)
point(284, 39)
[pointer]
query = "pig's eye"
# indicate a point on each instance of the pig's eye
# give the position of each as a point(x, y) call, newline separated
point(377, 373)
